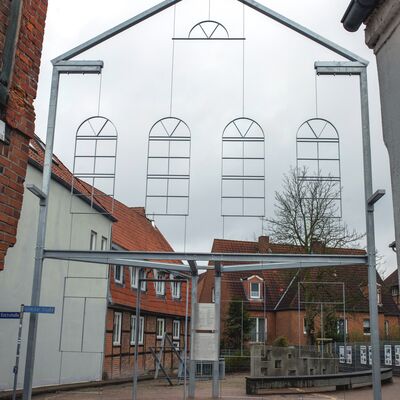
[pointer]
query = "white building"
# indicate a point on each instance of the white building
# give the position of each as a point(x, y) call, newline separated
point(70, 343)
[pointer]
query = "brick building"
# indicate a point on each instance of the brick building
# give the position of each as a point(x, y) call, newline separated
point(392, 285)
point(271, 296)
point(163, 304)
point(21, 35)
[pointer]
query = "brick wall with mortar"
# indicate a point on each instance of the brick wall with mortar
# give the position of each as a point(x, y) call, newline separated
point(19, 114)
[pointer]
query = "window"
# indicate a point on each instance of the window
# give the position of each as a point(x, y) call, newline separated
point(175, 288)
point(104, 242)
point(212, 295)
point(366, 327)
point(176, 330)
point(133, 330)
point(176, 345)
point(160, 286)
point(305, 326)
point(119, 274)
point(379, 294)
point(134, 277)
point(255, 290)
point(160, 328)
point(386, 326)
point(395, 290)
point(93, 240)
point(257, 330)
point(143, 285)
point(117, 329)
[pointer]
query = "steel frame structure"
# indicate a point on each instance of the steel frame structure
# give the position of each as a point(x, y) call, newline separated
point(208, 36)
point(315, 141)
point(63, 64)
point(238, 137)
point(157, 174)
point(321, 303)
point(94, 174)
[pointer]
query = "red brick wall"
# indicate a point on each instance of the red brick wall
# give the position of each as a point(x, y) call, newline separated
point(19, 114)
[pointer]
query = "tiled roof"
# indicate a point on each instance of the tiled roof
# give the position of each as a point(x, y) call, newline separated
point(63, 175)
point(132, 231)
point(281, 286)
point(392, 279)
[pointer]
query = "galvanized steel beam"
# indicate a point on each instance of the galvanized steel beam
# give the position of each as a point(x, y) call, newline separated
point(302, 30)
point(104, 257)
point(115, 31)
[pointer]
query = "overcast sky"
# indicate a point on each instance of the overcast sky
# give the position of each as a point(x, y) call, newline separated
point(207, 94)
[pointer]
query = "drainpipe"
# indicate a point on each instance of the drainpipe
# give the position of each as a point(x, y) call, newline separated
point(10, 46)
point(356, 13)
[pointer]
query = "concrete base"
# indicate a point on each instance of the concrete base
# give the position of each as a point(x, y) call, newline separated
point(343, 380)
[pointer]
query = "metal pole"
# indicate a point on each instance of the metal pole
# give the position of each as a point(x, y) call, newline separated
point(193, 319)
point(41, 236)
point(372, 287)
point(135, 366)
point(217, 288)
point(344, 317)
point(185, 345)
point(322, 331)
point(241, 334)
point(299, 315)
point(17, 356)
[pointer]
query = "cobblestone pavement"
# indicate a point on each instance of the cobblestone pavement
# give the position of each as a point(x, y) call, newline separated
point(232, 388)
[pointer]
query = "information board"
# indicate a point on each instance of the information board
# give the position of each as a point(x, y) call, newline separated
point(397, 356)
point(341, 354)
point(370, 355)
point(205, 347)
point(388, 354)
point(205, 317)
point(363, 355)
point(349, 355)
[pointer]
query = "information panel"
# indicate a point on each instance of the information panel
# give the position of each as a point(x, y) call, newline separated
point(397, 356)
point(363, 355)
point(205, 317)
point(205, 347)
point(370, 355)
point(388, 354)
point(349, 355)
point(341, 354)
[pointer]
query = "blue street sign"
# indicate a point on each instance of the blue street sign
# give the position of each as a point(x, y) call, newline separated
point(9, 315)
point(39, 309)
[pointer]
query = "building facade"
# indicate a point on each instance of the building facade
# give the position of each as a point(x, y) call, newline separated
point(290, 303)
point(21, 36)
point(163, 304)
point(70, 342)
point(382, 34)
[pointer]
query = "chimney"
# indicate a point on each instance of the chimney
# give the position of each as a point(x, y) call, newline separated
point(317, 247)
point(263, 244)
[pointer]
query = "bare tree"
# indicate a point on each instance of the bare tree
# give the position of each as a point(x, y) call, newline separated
point(307, 211)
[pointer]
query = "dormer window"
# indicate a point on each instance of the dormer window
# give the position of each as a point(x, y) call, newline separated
point(379, 294)
point(255, 290)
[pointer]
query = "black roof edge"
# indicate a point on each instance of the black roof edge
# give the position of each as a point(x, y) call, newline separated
point(356, 13)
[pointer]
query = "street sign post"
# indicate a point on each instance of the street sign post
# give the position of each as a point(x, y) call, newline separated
point(9, 315)
point(39, 309)
point(20, 315)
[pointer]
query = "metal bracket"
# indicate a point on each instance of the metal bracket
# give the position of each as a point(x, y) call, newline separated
point(339, 68)
point(376, 197)
point(37, 192)
point(79, 67)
